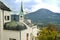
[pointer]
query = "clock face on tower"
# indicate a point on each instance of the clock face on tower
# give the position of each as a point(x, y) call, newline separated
point(21, 16)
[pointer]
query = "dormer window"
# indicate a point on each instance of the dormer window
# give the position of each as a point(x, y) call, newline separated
point(6, 17)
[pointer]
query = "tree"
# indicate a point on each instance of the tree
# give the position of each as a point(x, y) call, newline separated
point(48, 33)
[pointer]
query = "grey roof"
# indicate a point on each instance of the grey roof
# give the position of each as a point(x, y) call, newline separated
point(3, 6)
point(14, 26)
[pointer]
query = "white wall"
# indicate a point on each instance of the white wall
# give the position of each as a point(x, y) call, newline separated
point(6, 34)
point(11, 34)
point(16, 34)
point(1, 24)
point(24, 34)
point(2, 14)
point(7, 13)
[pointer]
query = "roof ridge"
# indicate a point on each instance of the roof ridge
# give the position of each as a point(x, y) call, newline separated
point(3, 6)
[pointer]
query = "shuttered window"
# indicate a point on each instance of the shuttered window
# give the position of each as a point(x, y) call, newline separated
point(7, 18)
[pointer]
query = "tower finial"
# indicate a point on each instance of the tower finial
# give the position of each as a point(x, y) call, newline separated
point(21, 9)
point(21, 15)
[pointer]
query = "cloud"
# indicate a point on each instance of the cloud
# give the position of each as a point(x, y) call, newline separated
point(48, 4)
point(53, 5)
point(53, 8)
point(18, 1)
point(33, 5)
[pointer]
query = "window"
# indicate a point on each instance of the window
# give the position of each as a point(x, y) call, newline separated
point(6, 17)
point(11, 39)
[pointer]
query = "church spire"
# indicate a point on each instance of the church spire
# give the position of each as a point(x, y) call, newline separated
point(21, 10)
point(21, 14)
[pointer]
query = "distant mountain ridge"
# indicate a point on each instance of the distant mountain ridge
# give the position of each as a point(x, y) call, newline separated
point(44, 16)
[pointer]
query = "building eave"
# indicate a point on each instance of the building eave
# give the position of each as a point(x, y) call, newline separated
point(4, 7)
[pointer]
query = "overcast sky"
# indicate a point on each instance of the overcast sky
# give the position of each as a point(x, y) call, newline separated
point(33, 5)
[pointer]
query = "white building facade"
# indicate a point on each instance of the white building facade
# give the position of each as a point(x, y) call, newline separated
point(23, 34)
point(4, 17)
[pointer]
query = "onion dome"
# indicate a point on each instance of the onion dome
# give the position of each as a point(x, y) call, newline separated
point(14, 26)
